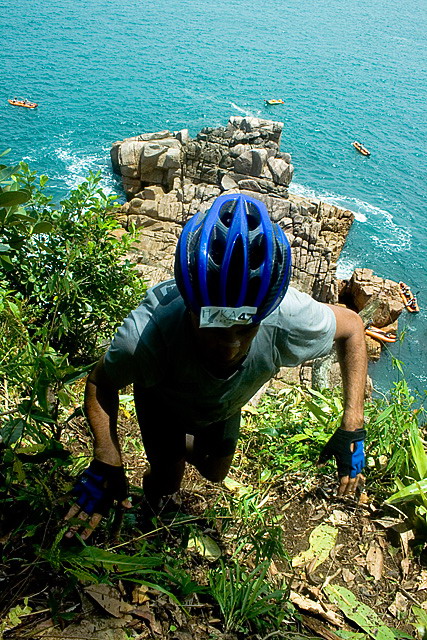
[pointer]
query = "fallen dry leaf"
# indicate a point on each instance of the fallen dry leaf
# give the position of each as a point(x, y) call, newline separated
point(322, 540)
point(109, 599)
point(319, 628)
point(338, 517)
point(375, 561)
point(316, 607)
point(364, 498)
point(422, 580)
point(405, 565)
point(405, 538)
point(139, 594)
point(348, 576)
point(399, 605)
point(388, 522)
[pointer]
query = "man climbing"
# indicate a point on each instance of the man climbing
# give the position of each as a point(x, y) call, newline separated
point(199, 347)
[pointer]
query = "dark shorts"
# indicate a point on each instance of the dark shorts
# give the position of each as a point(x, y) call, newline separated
point(163, 433)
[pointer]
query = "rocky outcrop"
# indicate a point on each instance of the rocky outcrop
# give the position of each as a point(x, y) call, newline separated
point(169, 176)
point(377, 301)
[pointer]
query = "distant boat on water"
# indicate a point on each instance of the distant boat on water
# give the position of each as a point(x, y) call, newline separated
point(274, 101)
point(18, 102)
point(363, 150)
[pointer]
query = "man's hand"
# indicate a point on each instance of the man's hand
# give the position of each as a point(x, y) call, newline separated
point(96, 490)
point(347, 447)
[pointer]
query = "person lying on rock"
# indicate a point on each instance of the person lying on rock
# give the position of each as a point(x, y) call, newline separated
point(200, 346)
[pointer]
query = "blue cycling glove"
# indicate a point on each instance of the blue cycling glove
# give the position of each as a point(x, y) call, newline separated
point(98, 486)
point(349, 463)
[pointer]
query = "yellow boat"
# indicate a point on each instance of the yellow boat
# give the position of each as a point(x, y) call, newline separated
point(274, 101)
point(22, 103)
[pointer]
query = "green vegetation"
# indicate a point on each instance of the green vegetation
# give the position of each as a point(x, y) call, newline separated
point(64, 287)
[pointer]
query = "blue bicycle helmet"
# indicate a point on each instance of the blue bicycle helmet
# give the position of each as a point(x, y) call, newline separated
point(233, 256)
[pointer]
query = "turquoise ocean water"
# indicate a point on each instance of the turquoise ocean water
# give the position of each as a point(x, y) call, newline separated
point(347, 69)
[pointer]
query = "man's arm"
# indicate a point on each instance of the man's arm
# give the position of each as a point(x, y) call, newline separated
point(101, 408)
point(105, 473)
point(351, 351)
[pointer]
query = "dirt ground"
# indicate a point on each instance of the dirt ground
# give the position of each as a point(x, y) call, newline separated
point(371, 556)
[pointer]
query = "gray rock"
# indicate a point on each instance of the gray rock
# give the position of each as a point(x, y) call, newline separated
point(251, 162)
point(128, 158)
point(250, 185)
point(228, 183)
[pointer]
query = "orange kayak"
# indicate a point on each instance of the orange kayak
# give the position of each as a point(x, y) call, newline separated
point(363, 150)
point(380, 334)
point(409, 300)
point(22, 103)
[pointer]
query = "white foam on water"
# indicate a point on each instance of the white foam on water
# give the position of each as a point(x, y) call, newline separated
point(242, 110)
point(387, 235)
point(345, 268)
point(78, 168)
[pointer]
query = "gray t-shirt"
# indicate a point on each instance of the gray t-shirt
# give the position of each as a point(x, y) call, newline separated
point(155, 349)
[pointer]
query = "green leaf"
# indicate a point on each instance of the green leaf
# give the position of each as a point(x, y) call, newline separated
point(91, 556)
point(4, 247)
point(12, 198)
point(384, 415)
point(42, 227)
point(205, 546)
point(12, 432)
point(410, 491)
point(6, 173)
point(358, 612)
point(14, 308)
point(421, 621)
point(418, 452)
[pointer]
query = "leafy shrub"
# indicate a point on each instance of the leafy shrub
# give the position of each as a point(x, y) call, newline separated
point(65, 286)
point(68, 268)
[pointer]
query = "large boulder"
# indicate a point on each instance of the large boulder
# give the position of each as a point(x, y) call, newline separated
point(376, 299)
point(281, 171)
point(251, 162)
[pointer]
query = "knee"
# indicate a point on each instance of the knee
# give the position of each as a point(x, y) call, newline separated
point(213, 475)
point(214, 470)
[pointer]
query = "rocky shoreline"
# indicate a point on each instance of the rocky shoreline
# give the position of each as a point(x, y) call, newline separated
point(168, 176)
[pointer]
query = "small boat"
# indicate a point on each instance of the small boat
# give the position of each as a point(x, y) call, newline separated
point(409, 300)
point(363, 150)
point(274, 101)
point(380, 334)
point(22, 103)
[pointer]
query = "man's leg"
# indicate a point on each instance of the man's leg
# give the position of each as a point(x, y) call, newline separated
point(164, 444)
point(211, 449)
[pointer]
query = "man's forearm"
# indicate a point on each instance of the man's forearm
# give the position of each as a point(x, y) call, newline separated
point(353, 362)
point(101, 407)
point(351, 351)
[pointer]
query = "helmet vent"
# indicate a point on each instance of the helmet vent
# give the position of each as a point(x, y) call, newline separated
point(217, 251)
point(252, 292)
point(226, 213)
point(236, 273)
point(257, 252)
point(252, 216)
